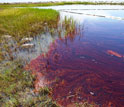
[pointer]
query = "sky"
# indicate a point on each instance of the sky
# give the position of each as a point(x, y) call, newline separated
point(11, 1)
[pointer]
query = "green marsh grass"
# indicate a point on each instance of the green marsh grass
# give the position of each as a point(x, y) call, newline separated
point(16, 84)
point(22, 22)
point(7, 5)
point(69, 24)
point(16, 88)
point(25, 22)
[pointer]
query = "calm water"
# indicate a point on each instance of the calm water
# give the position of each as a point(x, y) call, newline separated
point(88, 65)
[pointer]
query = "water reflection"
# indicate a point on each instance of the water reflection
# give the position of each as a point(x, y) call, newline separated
point(78, 12)
point(86, 65)
point(41, 43)
point(31, 48)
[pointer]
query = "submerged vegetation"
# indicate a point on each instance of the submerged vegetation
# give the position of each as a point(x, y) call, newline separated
point(4, 5)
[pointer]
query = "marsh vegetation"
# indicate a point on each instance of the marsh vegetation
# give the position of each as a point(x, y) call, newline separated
point(19, 23)
point(19, 26)
point(64, 55)
point(7, 5)
point(22, 22)
point(17, 84)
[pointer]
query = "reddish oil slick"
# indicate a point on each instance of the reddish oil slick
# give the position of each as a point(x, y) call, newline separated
point(78, 67)
point(114, 53)
point(78, 71)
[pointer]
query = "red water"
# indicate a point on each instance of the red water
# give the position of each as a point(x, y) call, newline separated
point(81, 67)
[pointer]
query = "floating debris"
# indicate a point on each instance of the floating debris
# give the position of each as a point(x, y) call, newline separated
point(7, 36)
point(110, 52)
point(26, 40)
point(91, 93)
point(28, 45)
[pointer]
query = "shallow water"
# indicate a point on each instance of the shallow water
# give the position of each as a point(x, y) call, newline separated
point(88, 65)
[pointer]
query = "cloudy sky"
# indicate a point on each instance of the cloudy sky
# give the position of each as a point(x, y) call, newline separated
point(10, 1)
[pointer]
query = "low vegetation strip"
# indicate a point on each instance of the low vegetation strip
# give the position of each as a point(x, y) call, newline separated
point(5, 5)
point(20, 22)
point(16, 88)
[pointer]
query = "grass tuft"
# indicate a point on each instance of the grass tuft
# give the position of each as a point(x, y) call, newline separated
point(16, 88)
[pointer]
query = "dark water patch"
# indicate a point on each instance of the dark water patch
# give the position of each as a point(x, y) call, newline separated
point(88, 67)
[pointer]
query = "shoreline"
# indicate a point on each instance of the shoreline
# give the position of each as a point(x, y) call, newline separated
point(38, 4)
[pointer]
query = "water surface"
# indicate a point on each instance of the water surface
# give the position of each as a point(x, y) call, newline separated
point(88, 65)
